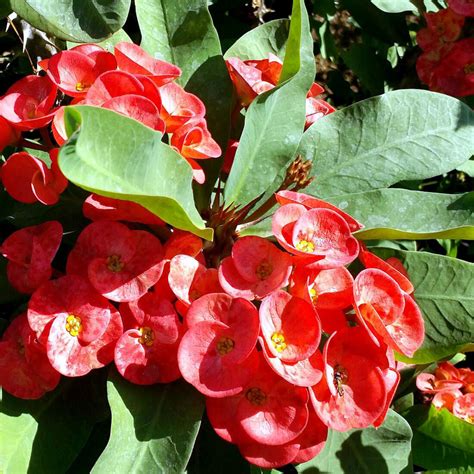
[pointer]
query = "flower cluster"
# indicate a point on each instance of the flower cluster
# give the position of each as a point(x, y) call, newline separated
point(129, 81)
point(447, 61)
point(451, 388)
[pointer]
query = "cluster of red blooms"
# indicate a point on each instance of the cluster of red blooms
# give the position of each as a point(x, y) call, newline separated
point(451, 388)
point(447, 61)
point(254, 77)
point(129, 82)
point(284, 344)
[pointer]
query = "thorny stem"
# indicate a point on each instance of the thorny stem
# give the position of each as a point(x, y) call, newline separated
point(14, 28)
point(34, 146)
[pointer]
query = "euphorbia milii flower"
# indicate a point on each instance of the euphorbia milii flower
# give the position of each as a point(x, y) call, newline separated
point(316, 108)
point(268, 410)
point(30, 252)
point(352, 393)
point(194, 141)
point(101, 208)
point(388, 311)
point(27, 178)
point(290, 327)
point(121, 264)
point(463, 407)
point(217, 354)
point(255, 268)
point(80, 326)
point(8, 134)
point(133, 59)
point(462, 7)
point(25, 371)
point(27, 104)
point(147, 352)
point(185, 243)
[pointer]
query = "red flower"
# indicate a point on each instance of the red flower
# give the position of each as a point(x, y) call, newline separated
point(255, 269)
point(27, 104)
point(185, 243)
point(27, 179)
point(217, 354)
point(193, 141)
point(133, 59)
point(25, 370)
point(316, 108)
point(121, 264)
point(30, 252)
point(80, 326)
point(462, 7)
point(352, 393)
point(101, 208)
point(290, 327)
point(388, 311)
point(463, 407)
point(147, 352)
point(8, 134)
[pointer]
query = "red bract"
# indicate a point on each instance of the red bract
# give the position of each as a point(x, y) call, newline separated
point(352, 393)
point(81, 327)
point(463, 407)
point(290, 327)
point(147, 352)
point(270, 67)
point(122, 264)
point(388, 311)
point(445, 25)
point(229, 156)
point(101, 208)
point(194, 141)
point(182, 242)
point(268, 457)
point(74, 72)
point(316, 108)
point(217, 354)
point(190, 280)
point(27, 104)
point(268, 410)
point(8, 134)
point(320, 237)
point(179, 106)
point(30, 252)
point(27, 179)
point(462, 7)
point(255, 269)
point(133, 59)
point(25, 370)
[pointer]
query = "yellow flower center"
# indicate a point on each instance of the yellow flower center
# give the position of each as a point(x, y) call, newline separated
point(73, 325)
point(305, 246)
point(147, 336)
point(278, 341)
point(313, 294)
point(114, 263)
point(256, 396)
point(80, 86)
point(264, 269)
point(225, 345)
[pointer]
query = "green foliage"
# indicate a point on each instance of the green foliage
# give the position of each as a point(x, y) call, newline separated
point(153, 427)
point(440, 440)
point(80, 21)
point(116, 156)
point(274, 121)
point(382, 450)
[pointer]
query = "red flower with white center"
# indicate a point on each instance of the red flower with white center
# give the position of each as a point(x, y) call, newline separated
point(352, 393)
point(27, 179)
point(190, 280)
point(268, 410)
point(193, 141)
point(80, 326)
point(25, 371)
point(326, 289)
point(179, 106)
point(388, 311)
point(318, 237)
point(133, 59)
point(101, 208)
point(255, 269)
point(147, 352)
point(121, 264)
point(462, 7)
point(28, 103)
point(30, 252)
point(290, 327)
point(74, 72)
point(217, 354)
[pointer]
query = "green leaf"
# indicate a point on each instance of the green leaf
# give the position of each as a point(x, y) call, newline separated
point(270, 37)
point(405, 134)
point(116, 156)
point(109, 43)
point(440, 440)
point(394, 6)
point(444, 291)
point(382, 450)
point(274, 121)
point(153, 427)
point(401, 214)
point(467, 167)
point(5, 8)
point(80, 21)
